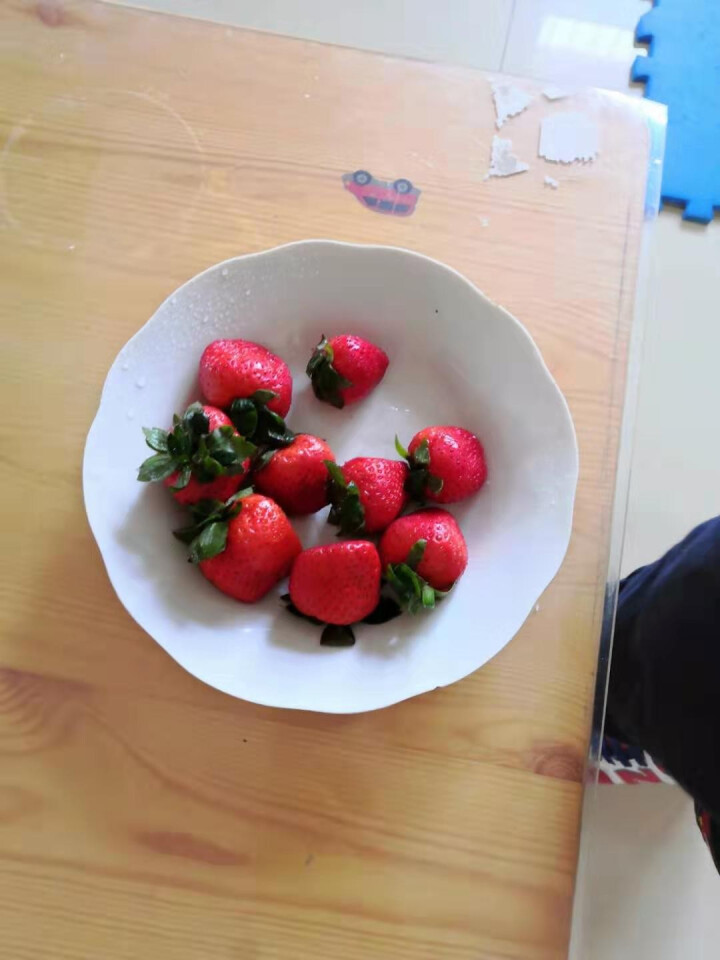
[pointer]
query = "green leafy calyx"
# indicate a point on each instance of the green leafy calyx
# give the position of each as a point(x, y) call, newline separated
point(252, 418)
point(420, 481)
point(327, 383)
point(413, 592)
point(334, 635)
point(207, 535)
point(346, 510)
point(191, 449)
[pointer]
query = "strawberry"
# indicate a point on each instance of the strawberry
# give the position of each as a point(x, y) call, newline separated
point(423, 554)
point(337, 584)
point(345, 369)
point(367, 493)
point(202, 457)
point(296, 476)
point(239, 368)
point(243, 546)
point(446, 464)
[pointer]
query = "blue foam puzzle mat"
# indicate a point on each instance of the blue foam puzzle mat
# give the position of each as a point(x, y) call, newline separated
point(682, 70)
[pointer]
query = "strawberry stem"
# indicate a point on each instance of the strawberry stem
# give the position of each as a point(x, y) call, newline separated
point(413, 592)
point(252, 418)
point(327, 383)
point(207, 535)
point(291, 608)
point(190, 449)
point(346, 510)
point(332, 635)
point(419, 480)
point(337, 636)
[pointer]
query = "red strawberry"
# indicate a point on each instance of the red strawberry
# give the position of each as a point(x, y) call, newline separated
point(202, 457)
point(243, 546)
point(446, 464)
point(367, 493)
point(423, 554)
point(223, 486)
point(345, 369)
point(337, 584)
point(238, 368)
point(296, 476)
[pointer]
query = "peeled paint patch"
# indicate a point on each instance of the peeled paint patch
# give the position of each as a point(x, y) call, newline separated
point(551, 92)
point(503, 162)
point(567, 137)
point(509, 101)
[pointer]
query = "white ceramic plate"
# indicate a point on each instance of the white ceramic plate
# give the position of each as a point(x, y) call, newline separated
point(455, 358)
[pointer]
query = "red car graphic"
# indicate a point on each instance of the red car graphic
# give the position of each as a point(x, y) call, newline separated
point(398, 198)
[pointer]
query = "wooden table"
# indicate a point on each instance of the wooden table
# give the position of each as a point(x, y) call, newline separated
point(143, 815)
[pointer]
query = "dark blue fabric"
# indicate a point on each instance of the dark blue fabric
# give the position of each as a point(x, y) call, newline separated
point(664, 692)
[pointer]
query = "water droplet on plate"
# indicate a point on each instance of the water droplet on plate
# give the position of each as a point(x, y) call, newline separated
point(124, 365)
point(224, 272)
point(205, 318)
point(140, 382)
point(130, 414)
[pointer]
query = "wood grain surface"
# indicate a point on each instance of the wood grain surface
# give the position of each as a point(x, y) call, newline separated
point(144, 816)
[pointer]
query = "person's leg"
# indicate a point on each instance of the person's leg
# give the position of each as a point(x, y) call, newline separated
point(710, 831)
point(664, 691)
